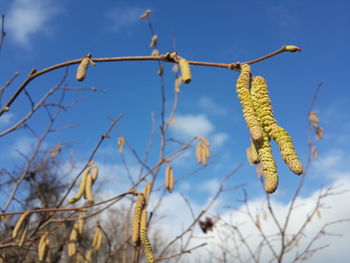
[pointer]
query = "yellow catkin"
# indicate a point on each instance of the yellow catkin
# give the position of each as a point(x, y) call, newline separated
point(97, 240)
point(199, 152)
point(169, 178)
point(81, 224)
point(204, 140)
point(292, 48)
point(155, 52)
point(73, 237)
point(81, 187)
point(56, 151)
point(147, 191)
point(252, 154)
point(43, 246)
point(121, 140)
point(23, 236)
point(145, 14)
point(19, 224)
point(263, 106)
point(185, 70)
point(88, 189)
point(94, 171)
point(82, 68)
point(249, 114)
point(268, 164)
point(154, 41)
point(147, 247)
point(140, 203)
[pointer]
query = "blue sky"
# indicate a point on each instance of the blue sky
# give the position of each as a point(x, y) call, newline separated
point(42, 33)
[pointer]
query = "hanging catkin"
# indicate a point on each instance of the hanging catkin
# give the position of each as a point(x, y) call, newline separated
point(185, 70)
point(147, 247)
point(140, 204)
point(19, 223)
point(268, 164)
point(81, 187)
point(262, 103)
point(242, 88)
point(43, 247)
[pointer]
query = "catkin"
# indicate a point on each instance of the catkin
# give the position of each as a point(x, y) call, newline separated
point(23, 236)
point(94, 171)
point(19, 223)
point(121, 143)
point(292, 48)
point(154, 41)
point(88, 188)
point(81, 187)
point(43, 246)
point(199, 152)
point(80, 224)
point(268, 164)
point(252, 154)
point(155, 52)
point(147, 191)
point(185, 70)
point(263, 106)
point(169, 178)
point(287, 150)
point(73, 237)
point(144, 238)
point(82, 68)
point(140, 204)
point(204, 140)
point(97, 240)
point(242, 88)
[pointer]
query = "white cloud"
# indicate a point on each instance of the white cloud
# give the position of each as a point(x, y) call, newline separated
point(27, 18)
point(23, 145)
point(6, 119)
point(122, 17)
point(189, 126)
point(338, 245)
point(219, 139)
point(209, 187)
point(211, 107)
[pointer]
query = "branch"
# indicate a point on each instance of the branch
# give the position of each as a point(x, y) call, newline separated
point(165, 58)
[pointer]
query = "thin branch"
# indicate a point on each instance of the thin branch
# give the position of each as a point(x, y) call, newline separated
point(165, 58)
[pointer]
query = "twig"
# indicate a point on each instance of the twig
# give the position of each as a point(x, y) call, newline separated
point(165, 58)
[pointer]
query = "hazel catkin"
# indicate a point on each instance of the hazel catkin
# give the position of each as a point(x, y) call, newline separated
point(252, 154)
point(185, 70)
point(249, 114)
point(146, 244)
point(81, 187)
point(263, 107)
point(268, 164)
point(82, 68)
point(19, 223)
point(169, 178)
point(140, 204)
point(43, 247)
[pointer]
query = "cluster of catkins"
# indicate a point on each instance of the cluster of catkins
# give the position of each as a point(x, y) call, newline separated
point(257, 111)
point(140, 229)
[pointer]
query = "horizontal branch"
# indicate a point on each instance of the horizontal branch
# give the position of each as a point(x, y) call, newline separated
point(165, 58)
